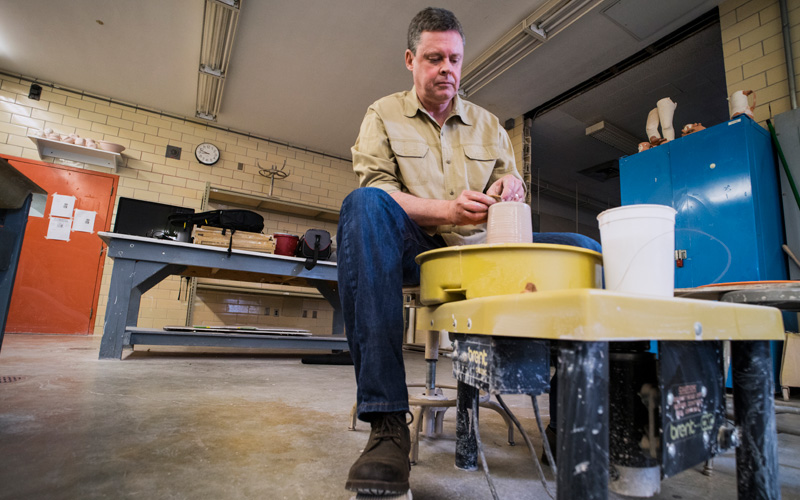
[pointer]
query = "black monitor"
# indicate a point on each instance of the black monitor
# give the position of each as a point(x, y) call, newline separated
point(148, 218)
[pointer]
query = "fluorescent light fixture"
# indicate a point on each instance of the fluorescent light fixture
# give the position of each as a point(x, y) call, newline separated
point(614, 137)
point(539, 27)
point(219, 27)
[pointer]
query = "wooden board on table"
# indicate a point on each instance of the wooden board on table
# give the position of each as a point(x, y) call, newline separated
point(715, 290)
point(242, 240)
point(252, 330)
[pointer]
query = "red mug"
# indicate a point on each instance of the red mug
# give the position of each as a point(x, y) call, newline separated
point(285, 244)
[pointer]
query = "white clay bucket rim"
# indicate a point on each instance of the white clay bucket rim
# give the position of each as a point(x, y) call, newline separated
point(641, 211)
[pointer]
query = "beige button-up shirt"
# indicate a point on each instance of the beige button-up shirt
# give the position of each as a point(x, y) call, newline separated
point(400, 147)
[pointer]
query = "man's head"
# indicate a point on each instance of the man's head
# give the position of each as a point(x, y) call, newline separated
point(432, 19)
point(434, 56)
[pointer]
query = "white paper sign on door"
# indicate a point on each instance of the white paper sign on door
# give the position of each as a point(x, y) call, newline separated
point(58, 229)
point(83, 221)
point(62, 206)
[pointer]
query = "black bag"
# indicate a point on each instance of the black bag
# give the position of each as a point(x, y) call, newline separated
point(314, 245)
point(235, 220)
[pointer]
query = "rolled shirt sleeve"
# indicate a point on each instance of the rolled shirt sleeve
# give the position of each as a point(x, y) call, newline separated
point(373, 160)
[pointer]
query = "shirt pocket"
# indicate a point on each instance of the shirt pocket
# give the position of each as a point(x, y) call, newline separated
point(413, 161)
point(480, 161)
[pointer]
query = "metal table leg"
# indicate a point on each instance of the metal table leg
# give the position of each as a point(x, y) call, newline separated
point(129, 280)
point(582, 457)
point(754, 408)
point(331, 294)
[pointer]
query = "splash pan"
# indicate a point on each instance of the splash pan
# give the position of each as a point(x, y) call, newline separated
point(472, 271)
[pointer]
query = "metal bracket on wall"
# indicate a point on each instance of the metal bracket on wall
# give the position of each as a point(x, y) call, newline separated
point(272, 173)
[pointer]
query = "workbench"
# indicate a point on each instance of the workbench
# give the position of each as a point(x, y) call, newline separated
point(141, 263)
point(502, 345)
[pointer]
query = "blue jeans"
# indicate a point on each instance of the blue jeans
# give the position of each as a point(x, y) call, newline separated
point(376, 246)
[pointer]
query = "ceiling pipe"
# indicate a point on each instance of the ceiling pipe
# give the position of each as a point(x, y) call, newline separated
point(552, 17)
point(787, 50)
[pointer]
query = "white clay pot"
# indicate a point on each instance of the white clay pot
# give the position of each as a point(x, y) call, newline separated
point(652, 125)
point(666, 110)
point(739, 104)
point(509, 222)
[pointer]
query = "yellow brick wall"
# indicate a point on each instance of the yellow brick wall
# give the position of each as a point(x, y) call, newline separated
point(516, 140)
point(315, 179)
point(752, 45)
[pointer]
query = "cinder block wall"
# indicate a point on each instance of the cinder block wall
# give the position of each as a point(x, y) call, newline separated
point(316, 179)
point(752, 45)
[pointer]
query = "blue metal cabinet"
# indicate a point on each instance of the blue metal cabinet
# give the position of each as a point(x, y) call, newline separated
point(723, 184)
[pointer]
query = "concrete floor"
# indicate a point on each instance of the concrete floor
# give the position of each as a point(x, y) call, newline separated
point(225, 425)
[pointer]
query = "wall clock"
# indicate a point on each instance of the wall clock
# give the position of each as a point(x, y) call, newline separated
point(207, 153)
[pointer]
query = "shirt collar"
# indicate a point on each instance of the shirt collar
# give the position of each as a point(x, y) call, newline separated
point(413, 106)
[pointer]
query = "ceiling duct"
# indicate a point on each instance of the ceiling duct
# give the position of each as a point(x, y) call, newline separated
point(220, 19)
point(613, 136)
point(546, 22)
point(602, 172)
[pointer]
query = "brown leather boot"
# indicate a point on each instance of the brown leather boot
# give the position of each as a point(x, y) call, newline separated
point(383, 467)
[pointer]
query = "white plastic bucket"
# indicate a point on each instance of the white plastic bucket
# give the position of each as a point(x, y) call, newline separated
point(639, 249)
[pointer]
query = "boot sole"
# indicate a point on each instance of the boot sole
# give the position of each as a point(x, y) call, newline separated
point(363, 496)
point(377, 488)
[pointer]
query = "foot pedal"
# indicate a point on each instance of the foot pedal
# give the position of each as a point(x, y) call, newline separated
point(367, 496)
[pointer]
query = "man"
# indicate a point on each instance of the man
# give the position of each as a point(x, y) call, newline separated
point(427, 162)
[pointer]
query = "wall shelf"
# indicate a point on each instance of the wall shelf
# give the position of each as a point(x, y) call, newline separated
point(268, 204)
point(260, 291)
point(58, 149)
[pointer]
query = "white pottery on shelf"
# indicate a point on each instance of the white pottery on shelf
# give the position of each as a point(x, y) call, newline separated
point(666, 110)
point(652, 126)
point(739, 104)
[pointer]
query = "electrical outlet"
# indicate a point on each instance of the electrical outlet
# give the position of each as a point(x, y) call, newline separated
point(173, 152)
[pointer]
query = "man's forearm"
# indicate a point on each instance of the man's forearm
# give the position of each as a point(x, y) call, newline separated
point(470, 207)
point(425, 212)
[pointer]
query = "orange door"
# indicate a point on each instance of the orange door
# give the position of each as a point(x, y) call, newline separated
point(58, 282)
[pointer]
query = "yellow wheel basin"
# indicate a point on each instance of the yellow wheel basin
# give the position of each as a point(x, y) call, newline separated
point(473, 271)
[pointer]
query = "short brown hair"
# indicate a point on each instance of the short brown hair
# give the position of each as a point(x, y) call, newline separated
point(432, 19)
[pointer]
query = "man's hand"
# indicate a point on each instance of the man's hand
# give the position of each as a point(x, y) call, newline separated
point(509, 188)
point(471, 207)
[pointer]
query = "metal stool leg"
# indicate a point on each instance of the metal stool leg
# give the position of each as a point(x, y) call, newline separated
point(414, 452)
point(353, 417)
point(499, 409)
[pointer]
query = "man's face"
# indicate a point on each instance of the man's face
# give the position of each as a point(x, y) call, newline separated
point(436, 66)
